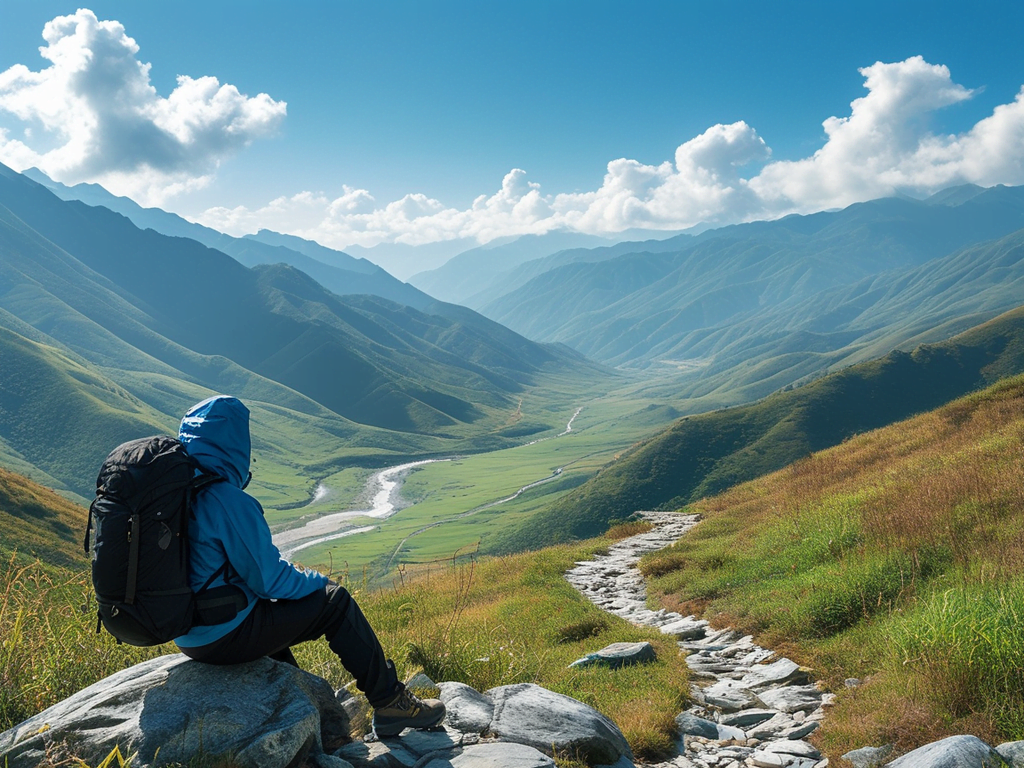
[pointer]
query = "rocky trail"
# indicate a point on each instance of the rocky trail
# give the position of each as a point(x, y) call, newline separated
point(749, 709)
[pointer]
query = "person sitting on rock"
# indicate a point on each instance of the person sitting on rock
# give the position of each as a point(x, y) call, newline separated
point(284, 606)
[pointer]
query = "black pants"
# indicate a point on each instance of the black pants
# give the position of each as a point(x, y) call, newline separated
point(271, 628)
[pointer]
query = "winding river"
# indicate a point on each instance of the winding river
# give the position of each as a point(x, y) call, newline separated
point(383, 487)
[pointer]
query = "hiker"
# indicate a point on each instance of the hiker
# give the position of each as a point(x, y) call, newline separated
point(230, 541)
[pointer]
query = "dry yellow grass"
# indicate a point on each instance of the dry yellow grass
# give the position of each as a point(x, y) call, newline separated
point(896, 556)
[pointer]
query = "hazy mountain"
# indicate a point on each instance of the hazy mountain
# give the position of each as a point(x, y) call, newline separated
point(703, 455)
point(335, 270)
point(474, 270)
point(403, 260)
point(364, 358)
point(641, 307)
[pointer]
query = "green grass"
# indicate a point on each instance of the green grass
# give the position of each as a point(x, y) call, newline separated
point(705, 454)
point(487, 623)
point(443, 492)
point(897, 557)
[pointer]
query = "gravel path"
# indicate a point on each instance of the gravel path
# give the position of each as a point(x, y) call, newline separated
point(749, 708)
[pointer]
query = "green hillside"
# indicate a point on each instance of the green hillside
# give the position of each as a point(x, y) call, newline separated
point(367, 360)
point(35, 523)
point(705, 454)
point(896, 558)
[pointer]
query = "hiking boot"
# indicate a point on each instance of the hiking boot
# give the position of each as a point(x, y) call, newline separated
point(407, 711)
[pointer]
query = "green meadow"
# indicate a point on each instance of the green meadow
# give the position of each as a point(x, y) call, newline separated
point(452, 503)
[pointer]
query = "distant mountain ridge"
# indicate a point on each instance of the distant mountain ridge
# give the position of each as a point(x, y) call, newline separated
point(335, 270)
point(640, 307)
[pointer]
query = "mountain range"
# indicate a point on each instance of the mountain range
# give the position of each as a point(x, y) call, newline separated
point(149, 323)
point(702, 455)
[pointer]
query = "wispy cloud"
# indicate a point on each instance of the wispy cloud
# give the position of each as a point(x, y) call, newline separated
point(92, 115)
point(882, 147)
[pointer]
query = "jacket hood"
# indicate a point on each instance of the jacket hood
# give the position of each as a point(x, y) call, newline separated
point(215, 433)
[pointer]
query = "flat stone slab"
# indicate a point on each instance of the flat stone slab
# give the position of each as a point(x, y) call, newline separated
point(528, 714)
point(781, 672)
point(266, 713)
point(795, 747)
point(618, 655)
point(686, 629)
point(953, 752)
point(375, 754)
point(791, 698)
point(499, 755)
point(746, 718)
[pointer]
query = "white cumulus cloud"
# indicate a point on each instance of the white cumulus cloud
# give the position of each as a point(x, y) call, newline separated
point(885, 145)
point(92, 115)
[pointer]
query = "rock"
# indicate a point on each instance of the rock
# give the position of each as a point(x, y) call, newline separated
point(747, 717)
point(800, 731)
point(728, 696)
point(851, 682)
point(686, 629)
point(793, 747)
point(495, 756)
point(422, 743)
point(265, 713)
point(691, 725)
point(730, 733)
point(781, 672)
point(763, 759)
point(420, 680)
point(528, 714)
point(1013, 753)
point(618, 655)
point(358, 709)
point(952, 752)
point(623, 762)
point(771, 728)
point(374, 754)
point(868, 757)
point(468, 710)
point(792, 698)
point(330, 761)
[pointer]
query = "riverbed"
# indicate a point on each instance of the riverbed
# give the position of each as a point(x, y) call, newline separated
point(384, 487)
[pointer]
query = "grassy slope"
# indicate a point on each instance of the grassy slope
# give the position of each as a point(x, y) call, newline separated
point(504, 621)
point(896, 557)
point(37, 523)
point(705, 454)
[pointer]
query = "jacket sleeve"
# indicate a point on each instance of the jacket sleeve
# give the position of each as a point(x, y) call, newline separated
point(253, 555)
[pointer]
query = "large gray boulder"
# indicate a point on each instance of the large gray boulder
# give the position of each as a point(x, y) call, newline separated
point(265, 714)
point(1013, 753)
point(953, 752)
point(468, 710)
point(555, 724)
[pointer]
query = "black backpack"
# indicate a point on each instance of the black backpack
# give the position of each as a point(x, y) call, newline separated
point(140, 551)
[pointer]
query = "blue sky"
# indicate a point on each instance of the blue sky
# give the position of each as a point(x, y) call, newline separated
point(444, 99)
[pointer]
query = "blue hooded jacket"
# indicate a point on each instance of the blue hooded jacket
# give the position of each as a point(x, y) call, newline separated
point(228, 525)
